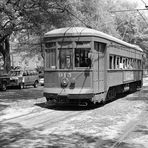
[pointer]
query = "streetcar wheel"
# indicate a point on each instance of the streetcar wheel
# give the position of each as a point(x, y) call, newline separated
point(111, 94)
point(103, 102)
point(49, 102)
point(92, 103)
point(4, 86)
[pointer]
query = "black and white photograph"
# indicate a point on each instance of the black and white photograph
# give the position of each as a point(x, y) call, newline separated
point(73, 73)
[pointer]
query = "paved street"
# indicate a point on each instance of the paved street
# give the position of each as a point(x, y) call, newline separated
point(26, 122)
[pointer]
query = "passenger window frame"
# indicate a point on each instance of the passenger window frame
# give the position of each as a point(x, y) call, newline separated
point(83, 58)
point(66, 57)
point(50, 53)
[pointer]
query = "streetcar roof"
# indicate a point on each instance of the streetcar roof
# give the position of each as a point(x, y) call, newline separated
point(83, 31)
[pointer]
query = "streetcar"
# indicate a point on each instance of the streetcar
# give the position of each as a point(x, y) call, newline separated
point(86, 66)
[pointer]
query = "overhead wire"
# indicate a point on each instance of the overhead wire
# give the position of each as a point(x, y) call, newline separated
point(138, 10)
point(90, 26)
point(142, 16)
point(74, 15)
point(127, 10)
point(77, 31)
point(144, 2)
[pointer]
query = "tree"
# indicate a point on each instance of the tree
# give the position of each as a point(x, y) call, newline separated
point(45, 15)
point(25, 21)
point(6, 29)
point(28, 17)
point(129, 23)
point(94, 14)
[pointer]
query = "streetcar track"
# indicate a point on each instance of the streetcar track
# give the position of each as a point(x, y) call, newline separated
point(61, 119)
point(34, 115)
point(130, 128)
point(125, 135)
point(58, 120)
point(32, 118)
point(16, 117)
point(50, 118)
point(132, 125)
point(26, 116)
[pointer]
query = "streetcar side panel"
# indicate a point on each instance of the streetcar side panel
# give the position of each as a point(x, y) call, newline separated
point(124, 68)
point(80, 79)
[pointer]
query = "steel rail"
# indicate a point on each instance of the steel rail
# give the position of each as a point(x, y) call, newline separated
point(23, 115)
point(131, 126)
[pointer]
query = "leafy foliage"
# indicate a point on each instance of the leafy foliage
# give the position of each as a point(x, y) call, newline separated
point(95, 14)
point(25, 21)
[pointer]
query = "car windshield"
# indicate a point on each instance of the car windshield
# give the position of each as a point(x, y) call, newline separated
point(15, 73)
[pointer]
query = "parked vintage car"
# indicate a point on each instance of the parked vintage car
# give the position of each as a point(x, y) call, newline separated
point(22, 78)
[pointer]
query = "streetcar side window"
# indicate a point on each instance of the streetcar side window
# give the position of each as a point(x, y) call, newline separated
point(139, 64)
point(121, 63)
point(114, 63)
point(50, 58)
point(65, 58)
point(82, 58)
point(1, 61)
point(130, 64)
point(110, 62)
point(118, 61)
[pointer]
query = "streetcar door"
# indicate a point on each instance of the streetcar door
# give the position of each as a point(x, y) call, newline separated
point(100, 47)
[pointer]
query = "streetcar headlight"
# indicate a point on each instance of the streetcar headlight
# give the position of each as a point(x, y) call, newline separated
point(64, 82)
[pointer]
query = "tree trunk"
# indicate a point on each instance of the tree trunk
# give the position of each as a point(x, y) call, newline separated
point(7, 61)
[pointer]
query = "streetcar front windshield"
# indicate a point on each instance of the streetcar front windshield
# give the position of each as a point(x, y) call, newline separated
point(82, 58)
point(65, 58)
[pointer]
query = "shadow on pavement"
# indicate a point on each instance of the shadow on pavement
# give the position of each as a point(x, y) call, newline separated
point(14, 135)
point(2, 107)
point(142, 129)
point(68, 107)
point(15, 95)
